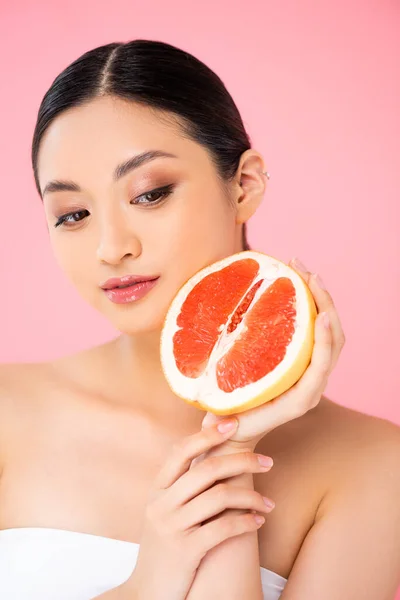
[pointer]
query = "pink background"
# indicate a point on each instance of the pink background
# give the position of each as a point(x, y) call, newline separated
point(318, 86)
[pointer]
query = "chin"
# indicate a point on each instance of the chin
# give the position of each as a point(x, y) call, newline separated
point(140, 327)
point(136, 318)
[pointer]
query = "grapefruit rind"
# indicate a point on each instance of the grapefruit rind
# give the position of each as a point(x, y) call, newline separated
point(203, 391)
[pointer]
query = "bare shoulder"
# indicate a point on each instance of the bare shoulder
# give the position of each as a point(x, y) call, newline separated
point(28, 390)
point(15, 378)
point(332, 428)
point(13, 373)
point(25, 390)
point(27, 379)
point(357, 438)
point(367, 450)
point(333, 447)
point(18, 382)
point(333, 465)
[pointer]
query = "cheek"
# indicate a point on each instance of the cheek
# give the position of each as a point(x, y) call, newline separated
point(201, 232)
point(209, 224)
point(71, 258)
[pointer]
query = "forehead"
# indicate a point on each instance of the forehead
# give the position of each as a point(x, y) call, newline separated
point(91, 139)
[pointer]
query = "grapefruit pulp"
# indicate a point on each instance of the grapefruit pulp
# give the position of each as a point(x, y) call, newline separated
point(238, 333)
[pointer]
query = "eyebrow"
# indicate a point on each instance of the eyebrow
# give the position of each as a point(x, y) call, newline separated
point(58, 185)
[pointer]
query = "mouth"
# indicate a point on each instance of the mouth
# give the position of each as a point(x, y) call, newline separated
point(128, 289)
point(127, 281)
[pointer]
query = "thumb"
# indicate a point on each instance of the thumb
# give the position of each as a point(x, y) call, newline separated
point(210, 419)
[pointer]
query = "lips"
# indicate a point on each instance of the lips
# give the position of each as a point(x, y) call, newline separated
point(130, 288)
point(126, 281)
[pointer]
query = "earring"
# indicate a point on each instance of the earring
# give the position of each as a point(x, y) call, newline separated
point(268, 176)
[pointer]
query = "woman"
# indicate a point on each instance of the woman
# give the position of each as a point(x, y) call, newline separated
point(145, 169)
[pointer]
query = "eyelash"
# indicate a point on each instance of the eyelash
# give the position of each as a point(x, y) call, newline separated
point(164, 191)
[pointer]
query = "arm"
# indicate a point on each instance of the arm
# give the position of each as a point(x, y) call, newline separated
point(353, 549)
point(231, 569)
point(185, 518)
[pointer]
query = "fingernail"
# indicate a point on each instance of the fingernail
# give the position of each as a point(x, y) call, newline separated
point(319, 281)
point(265, 461)
point(226, 426)
point(299, 265)
point(326, 320)
point(259, 520)
point(268, 502)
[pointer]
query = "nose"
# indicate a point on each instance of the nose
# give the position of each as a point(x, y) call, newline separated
point(117, 240)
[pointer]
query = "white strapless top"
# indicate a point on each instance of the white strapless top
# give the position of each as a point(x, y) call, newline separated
point(52, 564)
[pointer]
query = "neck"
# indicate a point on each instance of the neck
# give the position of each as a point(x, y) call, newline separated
point(136, 365)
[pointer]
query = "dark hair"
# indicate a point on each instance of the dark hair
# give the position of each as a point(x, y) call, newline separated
point(161, 76)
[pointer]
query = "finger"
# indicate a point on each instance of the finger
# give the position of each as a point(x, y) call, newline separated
point(317, 373)
point(211, 419)
point(296, 264)
point(213, 469)
point(322, 297)
point(210, 535)
point(189, 448)
point(219, 498)
point(324, 302)
point(313, 382)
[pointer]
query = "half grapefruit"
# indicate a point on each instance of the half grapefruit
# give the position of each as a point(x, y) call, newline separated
point(238, 333)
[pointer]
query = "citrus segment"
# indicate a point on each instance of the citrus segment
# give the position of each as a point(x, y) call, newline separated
point(206, 310)
point(269, 329)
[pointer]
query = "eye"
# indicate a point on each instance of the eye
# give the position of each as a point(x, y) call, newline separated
point(154, 197)
point(69, 219)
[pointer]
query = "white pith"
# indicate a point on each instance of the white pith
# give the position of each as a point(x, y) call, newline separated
point(205, 387)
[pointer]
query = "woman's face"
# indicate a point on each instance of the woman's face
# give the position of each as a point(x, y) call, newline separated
point(163, 217)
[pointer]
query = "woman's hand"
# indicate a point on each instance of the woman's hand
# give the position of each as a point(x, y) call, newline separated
point(183, 518)
point(254, 424)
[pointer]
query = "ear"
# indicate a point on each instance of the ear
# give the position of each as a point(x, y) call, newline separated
point(251, 184)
